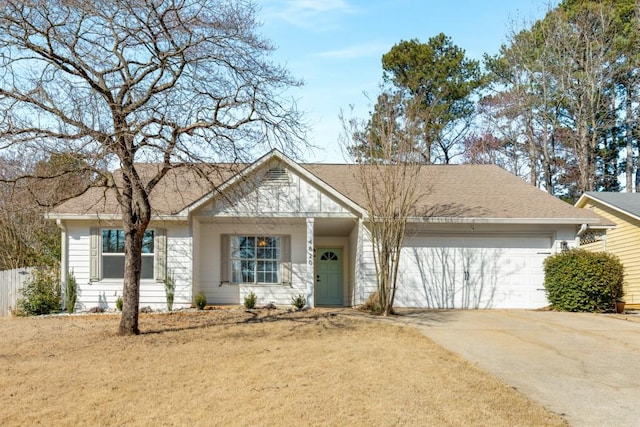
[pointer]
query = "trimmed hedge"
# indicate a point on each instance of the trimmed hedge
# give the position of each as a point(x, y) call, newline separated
point(578, 280)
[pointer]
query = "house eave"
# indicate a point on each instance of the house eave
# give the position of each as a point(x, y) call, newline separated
point(527, 221)
point(582, 201)
point(108, 217)
point(340, 215)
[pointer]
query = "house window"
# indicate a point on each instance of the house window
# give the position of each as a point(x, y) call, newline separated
point(255, 259)
point(113, 254)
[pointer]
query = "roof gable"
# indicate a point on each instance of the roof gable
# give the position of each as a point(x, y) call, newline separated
point(262, 189)
point(625, 203)
point(275, 187)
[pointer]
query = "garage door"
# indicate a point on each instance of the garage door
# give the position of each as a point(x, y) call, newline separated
point(461, 271)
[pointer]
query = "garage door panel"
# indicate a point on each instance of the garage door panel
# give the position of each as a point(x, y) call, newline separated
point(473, 272)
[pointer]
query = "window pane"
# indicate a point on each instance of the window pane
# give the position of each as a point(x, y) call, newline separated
point(147, 267)
point(147, 242)
point(113, 266)
point(243, 271)
point(267, 272)
point(243, 247)
point(268, 248)
point(255, 259)
point(113, 241)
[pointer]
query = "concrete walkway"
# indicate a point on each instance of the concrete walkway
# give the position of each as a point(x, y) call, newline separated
point(585, 367)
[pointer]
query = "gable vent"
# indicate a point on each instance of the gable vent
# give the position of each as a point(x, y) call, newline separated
point(276, 174)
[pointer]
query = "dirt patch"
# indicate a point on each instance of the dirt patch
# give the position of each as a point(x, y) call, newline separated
point(266, 367)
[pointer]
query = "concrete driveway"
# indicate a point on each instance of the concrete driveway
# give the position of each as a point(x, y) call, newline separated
point(583, 366)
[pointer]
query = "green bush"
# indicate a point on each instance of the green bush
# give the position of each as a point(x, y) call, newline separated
point(40, 294)
point(579, 280)
point(169, 288)
point(119, 303)
point(250, 300)
point(71, 293)
point(299, 301)
point(201, 301)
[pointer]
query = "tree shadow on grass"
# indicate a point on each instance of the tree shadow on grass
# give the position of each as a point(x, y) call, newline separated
point(416, 316)
point(218, 318)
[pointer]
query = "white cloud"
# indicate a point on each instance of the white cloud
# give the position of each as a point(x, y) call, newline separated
point(315, 15)
point(356, 51)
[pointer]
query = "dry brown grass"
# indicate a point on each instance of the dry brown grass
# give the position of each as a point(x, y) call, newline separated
point(232, 367)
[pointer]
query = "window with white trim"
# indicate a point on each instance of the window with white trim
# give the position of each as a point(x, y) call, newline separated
point(255, 259)
point(113, 254)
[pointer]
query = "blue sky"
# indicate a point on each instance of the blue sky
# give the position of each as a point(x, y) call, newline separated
point(336, 46)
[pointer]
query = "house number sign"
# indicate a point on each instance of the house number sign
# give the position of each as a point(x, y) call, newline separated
point(310, 283)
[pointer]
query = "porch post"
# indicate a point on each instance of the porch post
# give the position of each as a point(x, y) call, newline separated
point(310, 262)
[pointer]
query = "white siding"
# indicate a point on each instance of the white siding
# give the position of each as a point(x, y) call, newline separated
point(210, 260)
point(354, 260)
point(298, 197)
point(179, 262)
point(105, 292)
point(365, 266)
point(504, 264)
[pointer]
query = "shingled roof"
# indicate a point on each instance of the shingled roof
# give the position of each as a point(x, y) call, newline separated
point(628, 203)
point(451, 192)
point(483, 192)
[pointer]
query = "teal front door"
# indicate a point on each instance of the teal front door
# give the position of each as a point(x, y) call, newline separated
point(329, 277)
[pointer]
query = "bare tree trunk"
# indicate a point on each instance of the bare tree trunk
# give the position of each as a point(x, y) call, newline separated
point(131, 290)
point(136, 208)
point(629, 138)
point(533, 154)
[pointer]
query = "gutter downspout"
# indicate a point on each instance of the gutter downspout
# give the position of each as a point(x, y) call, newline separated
point(579, 234)
point(64, 261)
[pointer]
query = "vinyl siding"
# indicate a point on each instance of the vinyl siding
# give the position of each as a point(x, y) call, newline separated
point(209, 282)
point(522, 267)
point(297, 197)
point(365, 266)
point(624, 242)
point(105, 292)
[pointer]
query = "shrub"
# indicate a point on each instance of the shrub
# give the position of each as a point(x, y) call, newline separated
point(578, 280)
point(71, 292)
point(119, 303)
point(299, 302)
point(201, 301)
point(250, 300)
point(372, 304)
point(40, 294)
point(169, 288)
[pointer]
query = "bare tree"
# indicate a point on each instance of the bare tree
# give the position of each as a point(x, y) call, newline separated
point(26, 238)
point(119, 82)
point(388, 167)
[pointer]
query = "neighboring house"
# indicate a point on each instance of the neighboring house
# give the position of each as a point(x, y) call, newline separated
point(280, 229)
point(623, 209)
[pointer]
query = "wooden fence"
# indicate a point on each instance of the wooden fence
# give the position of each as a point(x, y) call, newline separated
point(11, 282)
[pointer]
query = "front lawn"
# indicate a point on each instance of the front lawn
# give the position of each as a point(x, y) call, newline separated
point(233, 367)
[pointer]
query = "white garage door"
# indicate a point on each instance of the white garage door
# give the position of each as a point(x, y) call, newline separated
point(461, 271)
